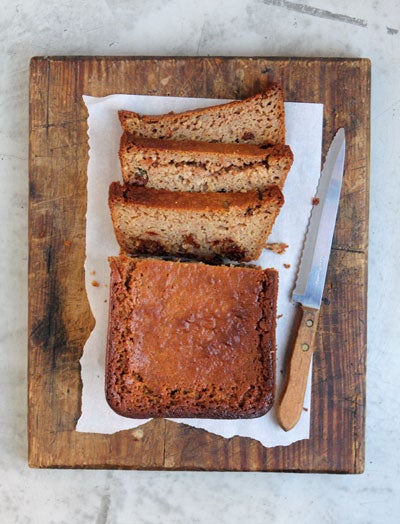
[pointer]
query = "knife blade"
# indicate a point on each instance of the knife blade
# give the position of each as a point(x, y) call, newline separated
point(310, 281)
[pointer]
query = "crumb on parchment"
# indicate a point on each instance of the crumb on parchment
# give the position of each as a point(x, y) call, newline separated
point(277, 247)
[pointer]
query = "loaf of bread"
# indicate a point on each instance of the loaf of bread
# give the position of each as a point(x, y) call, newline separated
point(188, 165)
point(259, 119)
point(204, 225)
point(190, 339)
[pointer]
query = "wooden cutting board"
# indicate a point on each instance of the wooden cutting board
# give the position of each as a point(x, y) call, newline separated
point(59, 315)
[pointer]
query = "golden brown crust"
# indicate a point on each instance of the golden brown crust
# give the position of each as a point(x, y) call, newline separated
point(190, 340)
point(191, 201)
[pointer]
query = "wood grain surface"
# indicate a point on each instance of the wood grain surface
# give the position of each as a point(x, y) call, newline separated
point(59, 316)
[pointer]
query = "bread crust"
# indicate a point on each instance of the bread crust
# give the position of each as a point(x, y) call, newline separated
point(190, 340)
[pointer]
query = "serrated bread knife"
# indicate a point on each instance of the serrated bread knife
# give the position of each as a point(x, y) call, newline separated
point(311, 281)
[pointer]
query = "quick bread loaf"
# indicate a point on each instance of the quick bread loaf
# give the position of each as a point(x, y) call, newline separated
point(191, 333)
point(202, 166)
point(190, 339)
point(259, 119)
point(206, 225)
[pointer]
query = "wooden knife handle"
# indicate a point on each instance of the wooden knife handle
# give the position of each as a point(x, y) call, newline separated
point(291, 403)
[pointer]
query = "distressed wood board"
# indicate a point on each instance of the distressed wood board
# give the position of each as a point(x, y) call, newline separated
point(59, 315)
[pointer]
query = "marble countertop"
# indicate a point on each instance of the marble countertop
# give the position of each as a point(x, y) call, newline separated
point(330, 28)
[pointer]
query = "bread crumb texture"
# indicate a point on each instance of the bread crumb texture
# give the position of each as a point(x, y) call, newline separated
point(202, 225)
point(259, 119)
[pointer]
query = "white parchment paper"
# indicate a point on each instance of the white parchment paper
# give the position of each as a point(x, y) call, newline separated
point(304, 135)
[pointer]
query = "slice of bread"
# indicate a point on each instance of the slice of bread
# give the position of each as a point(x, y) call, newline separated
point(190, 339)
point(259, 119)
point(205, 225)
point(202, 166)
